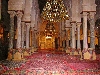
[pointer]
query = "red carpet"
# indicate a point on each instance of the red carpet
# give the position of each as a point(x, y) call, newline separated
point(46, 63)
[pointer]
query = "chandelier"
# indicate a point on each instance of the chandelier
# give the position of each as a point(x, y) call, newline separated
point(54, 11)
point(50, 29)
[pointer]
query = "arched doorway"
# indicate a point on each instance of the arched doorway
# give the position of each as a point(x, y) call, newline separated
point(48, 32)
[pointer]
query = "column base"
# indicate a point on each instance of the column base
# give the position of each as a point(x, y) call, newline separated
point(68, 50)
point(9, 56)
point(93, 54)
point(80, 53)
point(15, 54)
point(89, 54)
point(72, 50)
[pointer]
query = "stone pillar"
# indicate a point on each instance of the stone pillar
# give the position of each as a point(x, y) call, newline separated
point(11, 31)
point(78, 39)
point(27, 34)
point(23, 34)
point(92, 29)
point(67, 27)
point(78, 36)
point(85, 45)
point(73, 36)
point(63, 39)
point(86, 54)
point(62, 35)
point(11, 35)
point(67, 39)
point(35, 38)
point(92, 35)
point(19, 16)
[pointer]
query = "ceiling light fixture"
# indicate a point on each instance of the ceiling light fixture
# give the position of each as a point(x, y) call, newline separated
point(54, 11)
point(49, 29)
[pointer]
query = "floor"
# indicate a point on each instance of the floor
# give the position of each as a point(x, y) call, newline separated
point(49, 62)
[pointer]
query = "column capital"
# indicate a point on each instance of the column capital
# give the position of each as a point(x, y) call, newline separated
point(79, 24)
point(28, 24)
point(32, 28)
point(91, 15)
point(73, 23)
point(12, 13)
point(19, 14)
point(85, 13)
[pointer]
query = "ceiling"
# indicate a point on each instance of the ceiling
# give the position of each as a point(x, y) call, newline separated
point(41, 4)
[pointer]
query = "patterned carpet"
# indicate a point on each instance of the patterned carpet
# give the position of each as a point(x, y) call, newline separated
point(46, 63)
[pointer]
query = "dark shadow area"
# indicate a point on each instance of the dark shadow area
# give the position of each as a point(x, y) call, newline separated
point(4, 24)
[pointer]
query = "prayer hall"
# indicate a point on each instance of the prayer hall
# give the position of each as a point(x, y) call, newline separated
point(49, 37)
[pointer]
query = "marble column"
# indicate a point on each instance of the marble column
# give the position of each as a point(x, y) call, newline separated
point(11, 35)
point(67, 28)
point(27, 34)
point(85, 45)
point(78, 35)
point(73, 36)
point(63, 35)
point(67, 39)
point(64, 39)
point(11, 31)
point(23, 34)
point(92, 29)
point(35, 38)
point(19, 16)
point(31, 36)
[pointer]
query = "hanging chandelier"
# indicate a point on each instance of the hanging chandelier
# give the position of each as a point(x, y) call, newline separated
point(54, 11)
point(50, 29)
